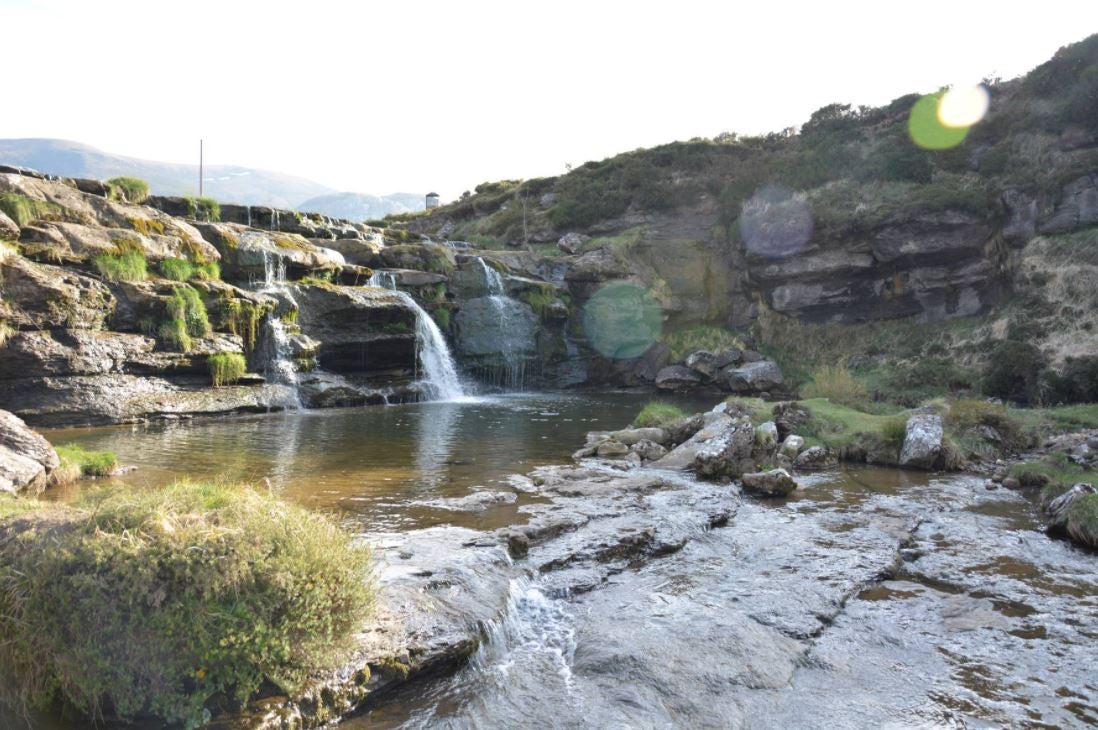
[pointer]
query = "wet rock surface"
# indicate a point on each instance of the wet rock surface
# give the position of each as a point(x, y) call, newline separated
point(26, 457)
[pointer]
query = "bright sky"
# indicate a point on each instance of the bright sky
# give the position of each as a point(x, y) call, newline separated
point(380, 97)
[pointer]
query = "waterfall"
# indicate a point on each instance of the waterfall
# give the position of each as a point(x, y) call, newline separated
point(440, 379)
point(276, 352)
point(511, 375)
point(249, 216)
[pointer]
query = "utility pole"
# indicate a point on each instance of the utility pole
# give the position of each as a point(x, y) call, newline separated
point(200, 168)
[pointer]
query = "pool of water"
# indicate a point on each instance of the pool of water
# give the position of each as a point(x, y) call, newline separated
point(376, 465)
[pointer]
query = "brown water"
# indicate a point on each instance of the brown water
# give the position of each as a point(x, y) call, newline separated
point(376, 465)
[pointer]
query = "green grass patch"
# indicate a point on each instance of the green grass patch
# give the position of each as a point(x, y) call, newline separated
point(152, 602)
point(206, 209)
point(184, 270)
point(185, 318)
point(699, 337)
point(24, 210)
point(1055, 472)
point(836, 383)
point(242, 318)
point(442, 317)
point(128, 264)
point(130, 189)
point(841, 427)
point(76, 461)
point(758, 410)
point(226, 368)
point(658, 413)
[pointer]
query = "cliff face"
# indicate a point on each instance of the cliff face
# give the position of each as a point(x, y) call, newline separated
point(846, 221)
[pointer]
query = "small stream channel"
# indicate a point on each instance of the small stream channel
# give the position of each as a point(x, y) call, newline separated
point(870, 598)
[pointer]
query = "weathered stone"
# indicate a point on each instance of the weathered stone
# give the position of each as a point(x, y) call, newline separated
point(789, 417)
point(677, 377)
point(722, 448)
point(8, 229)
point(1062, 518)
point(684, 428)
point(766, 435)
point(705, 363)
point(1011, 483)
point(649, 450)
point(815, 457)
point(572, 242)
point(611, 449)
point(630, 436)
point(792, 446)
point(497, 334)
point(754, 377)
point(26, 457)
point(50, 297)
point(922, 441)
point(773, 483)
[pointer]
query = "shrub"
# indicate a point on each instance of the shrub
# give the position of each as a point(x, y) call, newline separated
point(152, 602)
point(836, 383)
point(131, 189)
point(1077, 383)
point(226, 368)
point(127, 265)
point(658, 413)
point(76, 461)
point(1012, 371)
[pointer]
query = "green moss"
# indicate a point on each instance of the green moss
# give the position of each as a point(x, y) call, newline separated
point(147, 226)
point(185, 318)
point(184, 270)
point(242, 318)
point(1055, 469)
point(396, 328)
point(155, 601)
point(206, 209)
point(76, 459)
point(442, 317)
point(24, 210)
point(130, 189)
point(540, 299)
point(226, 368)
point(658, 413)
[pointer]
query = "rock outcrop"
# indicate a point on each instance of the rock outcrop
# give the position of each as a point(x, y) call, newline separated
point(26, 458)
point(922, 447)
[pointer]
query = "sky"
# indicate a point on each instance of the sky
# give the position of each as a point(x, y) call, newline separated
point(380, 97)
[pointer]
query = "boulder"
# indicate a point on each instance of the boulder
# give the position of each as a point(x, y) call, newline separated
point(630, 436)
point(922, 441)
point(815, 457)
point(684, 428)
point(677, 377)
point(722, 448)
point(773, 483)
point(705, 363)
point(648, 450)
point(571, 242)
point(789, 417)
point(26, 457)
point(729, 356)
point(766, 435)
point(1078, 524)
point(754, 377)
point(791, 446)
point(8, 228)
point(612, 449)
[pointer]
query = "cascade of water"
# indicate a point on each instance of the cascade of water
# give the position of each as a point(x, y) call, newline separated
point(533, 625)
point(274, 220)
point(440, 379)
point(249, 216)
point(276, 352)
point(512, 374)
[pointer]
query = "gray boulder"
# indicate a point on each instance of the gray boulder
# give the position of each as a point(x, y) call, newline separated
point(572, 242)
point(773, 483)
point(8, 229)
point(649, 450)
point(922, 441)
point(754, 377)
point(630, 436)
point(612, 449)
point(792, 446)
point(704, 362)
point(722, 448)
point(677, 377)
point(766, 435)
point(1062, 518)
point(815, 457)
point(26, 457)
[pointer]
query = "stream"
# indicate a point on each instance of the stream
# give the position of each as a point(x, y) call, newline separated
point(870, 598)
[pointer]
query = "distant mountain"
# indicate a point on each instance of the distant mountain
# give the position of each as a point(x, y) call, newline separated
point(226, 183)
point(362, 207)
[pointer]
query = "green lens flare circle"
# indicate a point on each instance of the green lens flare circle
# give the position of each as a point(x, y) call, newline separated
point(622, 321)
point(926, 128)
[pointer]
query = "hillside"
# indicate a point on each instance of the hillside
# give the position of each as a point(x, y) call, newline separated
point(227, 183)
point(980, 236)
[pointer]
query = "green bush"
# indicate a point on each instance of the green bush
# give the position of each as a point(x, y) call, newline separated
point(127, 265)
point(151, 602)
point(837, 384)
point(226, 368)
point(658, 413)
point(131, 189)
point(1076, 383)
point(1013, 370)
point(76, 461)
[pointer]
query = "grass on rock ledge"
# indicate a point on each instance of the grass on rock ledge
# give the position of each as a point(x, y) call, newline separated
point(658, 413)
point(77, 462)
point(158, 603)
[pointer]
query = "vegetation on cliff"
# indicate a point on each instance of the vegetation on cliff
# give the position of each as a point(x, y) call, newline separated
point(157, 602)
point(226, 368)
point(131, 189)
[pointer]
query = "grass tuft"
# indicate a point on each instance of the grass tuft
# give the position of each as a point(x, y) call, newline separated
point(226, 368)
point(836, 383)
point(658, 413)
point(76, 461)
point(154, 602)
point(130, 189)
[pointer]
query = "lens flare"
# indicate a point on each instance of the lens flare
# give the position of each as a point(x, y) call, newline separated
point(622, 321)
point(776, 222)
point(963, 106)
point(927, 130)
